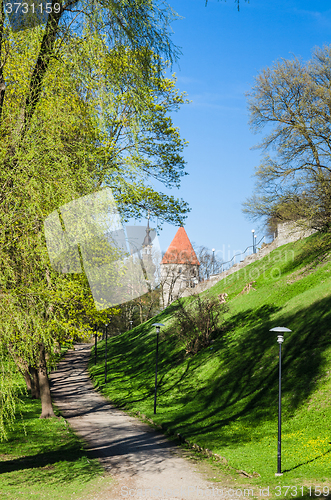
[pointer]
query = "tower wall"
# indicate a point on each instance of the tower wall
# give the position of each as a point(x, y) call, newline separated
point(175, 278)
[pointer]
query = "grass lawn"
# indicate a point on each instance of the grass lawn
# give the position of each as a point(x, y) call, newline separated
point(226, 397)
point(44, 459)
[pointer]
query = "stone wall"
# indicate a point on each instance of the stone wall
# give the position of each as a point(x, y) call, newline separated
point(287, 232)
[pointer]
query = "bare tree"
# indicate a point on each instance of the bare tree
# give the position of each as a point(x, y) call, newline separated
point(209, 262)
point(294, 177)
point(197, 321)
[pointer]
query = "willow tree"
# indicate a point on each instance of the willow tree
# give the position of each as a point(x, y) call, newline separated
point(83, 104)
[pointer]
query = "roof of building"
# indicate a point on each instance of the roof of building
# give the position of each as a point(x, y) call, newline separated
point(180, 250)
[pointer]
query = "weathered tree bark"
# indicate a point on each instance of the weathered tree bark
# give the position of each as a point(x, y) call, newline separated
point(40, 69)
point(23, 367)
point(27, 379)
point(45, 392)
point(35, 391)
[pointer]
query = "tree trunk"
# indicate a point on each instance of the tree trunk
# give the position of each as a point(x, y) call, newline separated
point(45, 393)
point(27, 379)
point(35, 390)
point(24, 368)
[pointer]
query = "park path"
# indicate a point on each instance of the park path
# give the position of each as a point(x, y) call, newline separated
point(142, 461)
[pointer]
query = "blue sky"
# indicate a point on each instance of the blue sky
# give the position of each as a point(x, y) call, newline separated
point(222, 51)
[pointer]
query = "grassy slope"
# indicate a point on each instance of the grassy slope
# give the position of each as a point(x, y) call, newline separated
point(225, 398)
point(44, 459)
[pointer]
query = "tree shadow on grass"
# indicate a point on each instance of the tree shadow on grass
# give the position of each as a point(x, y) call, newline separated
point(246, 385)
point(314, 251)
point(73, 463)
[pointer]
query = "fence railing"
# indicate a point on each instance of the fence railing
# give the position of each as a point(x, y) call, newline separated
point(225, 266)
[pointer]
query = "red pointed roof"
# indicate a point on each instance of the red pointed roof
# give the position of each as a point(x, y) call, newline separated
point(180, 250)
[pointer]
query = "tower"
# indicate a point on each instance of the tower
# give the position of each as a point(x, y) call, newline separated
point(147, 257)
point(179, 268)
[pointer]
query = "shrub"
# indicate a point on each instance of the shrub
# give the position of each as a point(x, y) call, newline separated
point(197, 321)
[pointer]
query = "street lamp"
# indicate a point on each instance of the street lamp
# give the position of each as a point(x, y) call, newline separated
point(280, 339)
point(95, 347)
point(253, 231)
point(157, 325)
point(130, 324)
point(106, 325)
point(213, 250)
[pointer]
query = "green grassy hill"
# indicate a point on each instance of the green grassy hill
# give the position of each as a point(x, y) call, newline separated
point(226, 397)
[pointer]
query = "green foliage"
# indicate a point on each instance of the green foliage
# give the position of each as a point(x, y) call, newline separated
point(225, 398)
point(83, 104)
point(44, 452)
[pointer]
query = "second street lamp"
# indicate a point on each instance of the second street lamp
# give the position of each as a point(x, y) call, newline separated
point(106, 325)
point(253, 233)
point(280, 339)
point(95, 347)
point(157, 325)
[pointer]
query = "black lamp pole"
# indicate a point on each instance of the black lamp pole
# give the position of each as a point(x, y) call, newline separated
point(106, 325)
point(157, 325)
point(95, 347)
point(280, 339)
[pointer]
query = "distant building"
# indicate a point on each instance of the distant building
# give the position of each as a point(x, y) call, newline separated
point(147, 257)
point(179, 268)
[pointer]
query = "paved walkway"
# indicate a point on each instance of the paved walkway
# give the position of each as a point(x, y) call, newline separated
point(144, 463)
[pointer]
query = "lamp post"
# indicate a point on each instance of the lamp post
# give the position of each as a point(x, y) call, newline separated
point(106, 325)
point(157, 325)
point(130, 324)
point(253, 231)
point(95, 347)
point(280, 339)
point(255, 242)
point(213, 250)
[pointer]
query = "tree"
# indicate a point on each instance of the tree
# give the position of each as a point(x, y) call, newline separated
point(78, 99)
point(293, 180)
point(136, 312)
point(141, 25)
point(209, 262)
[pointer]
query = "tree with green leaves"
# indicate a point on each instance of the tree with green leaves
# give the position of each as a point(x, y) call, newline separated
point(83, 104)
point(291, 100)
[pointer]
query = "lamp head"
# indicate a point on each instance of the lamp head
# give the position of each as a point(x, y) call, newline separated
point(157, 325)
point(280, 330)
